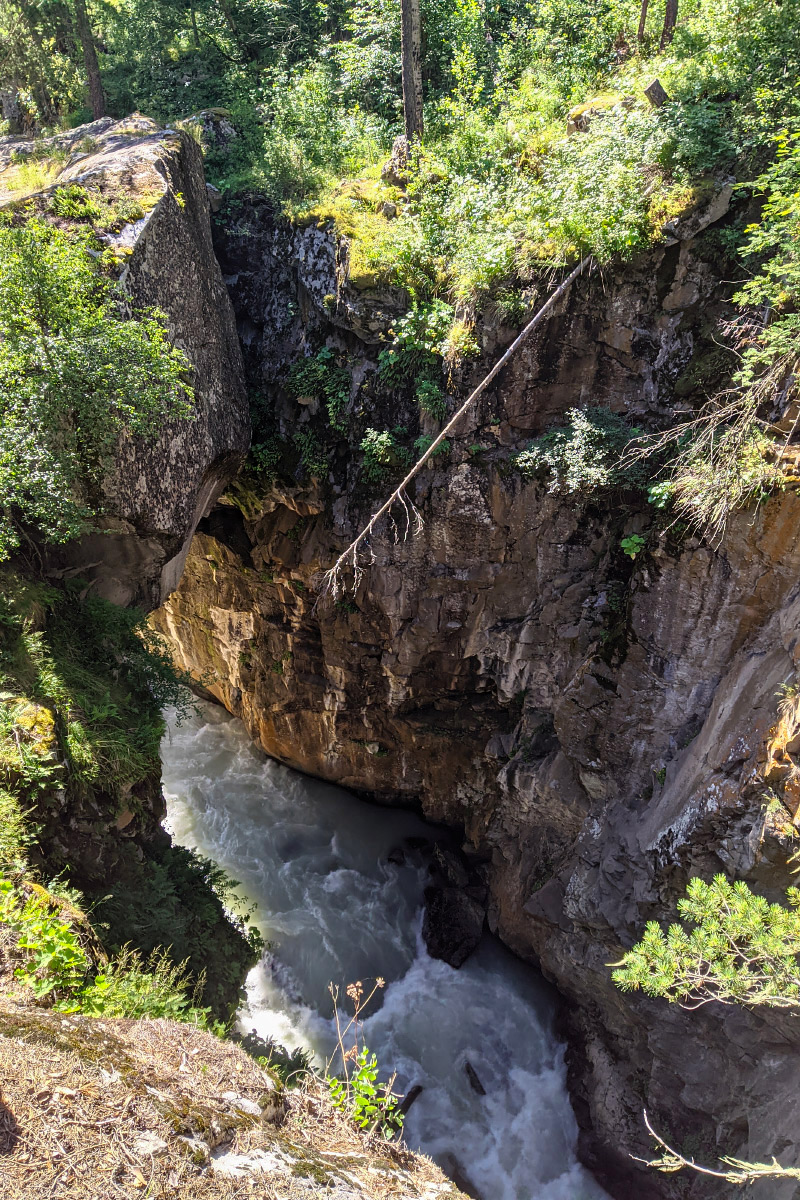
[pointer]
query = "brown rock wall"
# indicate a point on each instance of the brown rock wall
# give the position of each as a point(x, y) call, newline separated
point(595, 724)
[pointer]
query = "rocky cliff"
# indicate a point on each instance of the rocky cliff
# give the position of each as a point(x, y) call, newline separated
point(160, 238)
point(595, 724)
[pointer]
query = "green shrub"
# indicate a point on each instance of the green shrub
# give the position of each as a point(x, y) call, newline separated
point(313, 457)
point(16, 834)
point(430, 398)
point(583, 455)
point(382, 453)
point(319, 376)
point(418, 340)
point(424, 441)
point(738, 949)
point(56, 966)
point(74, 201)
point(74, 375)
point(54, 960)
point(129, 986)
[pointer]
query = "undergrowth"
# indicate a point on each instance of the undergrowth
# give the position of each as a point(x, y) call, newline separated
point(82, 688)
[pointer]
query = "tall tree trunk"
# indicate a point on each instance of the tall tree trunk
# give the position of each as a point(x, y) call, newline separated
point(411, 35)
point(96, 97)
point(642, 21)
point(670, 19)
point(195, 33)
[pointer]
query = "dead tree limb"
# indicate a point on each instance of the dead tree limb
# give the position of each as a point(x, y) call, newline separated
point(331, 580)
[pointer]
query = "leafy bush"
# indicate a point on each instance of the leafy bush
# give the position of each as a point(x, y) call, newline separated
point(74, 375)
point(73, 201)
point(583, 455)
point(418, 341)
point(55, 961)
point(320, 376)
point(57, 967)
point(382, 452)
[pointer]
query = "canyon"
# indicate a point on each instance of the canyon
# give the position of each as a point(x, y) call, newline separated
point(593, 725)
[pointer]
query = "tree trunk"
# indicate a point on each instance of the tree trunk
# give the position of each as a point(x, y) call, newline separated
point(642, 22)
point(411, 33)
point(96, 98)
point(670, 19)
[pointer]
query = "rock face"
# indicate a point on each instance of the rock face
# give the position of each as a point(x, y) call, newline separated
point(158, 490)
point(596, 725)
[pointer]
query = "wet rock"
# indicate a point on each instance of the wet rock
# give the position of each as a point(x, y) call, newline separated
point(452, 925)
point(474, 1080)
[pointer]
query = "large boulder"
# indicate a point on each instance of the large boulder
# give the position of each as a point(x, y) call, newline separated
point(157, 490)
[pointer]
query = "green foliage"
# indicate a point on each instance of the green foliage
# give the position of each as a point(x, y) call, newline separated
point(319, 376)
point(382, 453)
point(583, 456)
point(74, 375)
point(75, 202)
point(660, 494)
point(424, 441)
point(632, 545)
point(430, 398)
point(290, 1066)
point(57, 967)
point(156, 987)
point(16, 834)
point(368, 1103)
point(418, 345)
point(177, 899)
point(737, 948)
point(106, 676)
point(730, 467)
point(265, 457)
point(55, 962)
point(313, 458)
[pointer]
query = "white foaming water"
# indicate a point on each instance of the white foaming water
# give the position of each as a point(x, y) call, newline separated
point(333, 908)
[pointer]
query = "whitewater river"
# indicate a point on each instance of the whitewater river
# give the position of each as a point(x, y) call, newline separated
point(333, 908)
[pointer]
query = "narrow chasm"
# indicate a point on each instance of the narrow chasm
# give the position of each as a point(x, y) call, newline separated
point(399, 604)
point(338, 886)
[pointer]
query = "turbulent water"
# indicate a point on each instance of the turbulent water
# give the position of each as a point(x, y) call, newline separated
point(333, 908)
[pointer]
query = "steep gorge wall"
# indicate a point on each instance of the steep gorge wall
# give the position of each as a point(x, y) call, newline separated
point(595, 725)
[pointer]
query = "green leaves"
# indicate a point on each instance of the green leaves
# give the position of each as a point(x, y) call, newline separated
point(74, 376)
point(366, 1101)
point(583, 455)
point(320, 376)
point(382, 452)
point(738, 949)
